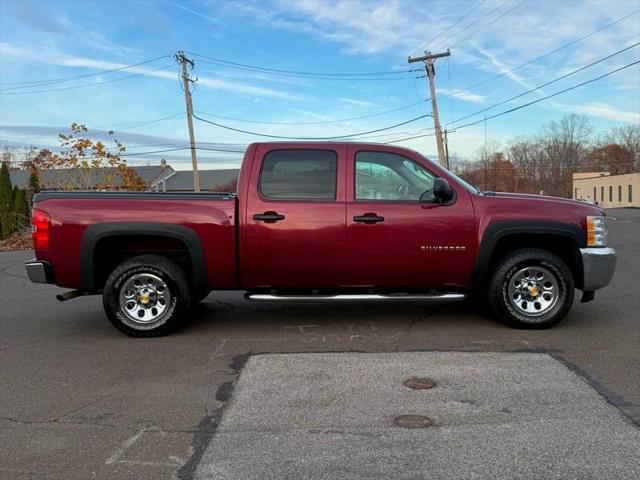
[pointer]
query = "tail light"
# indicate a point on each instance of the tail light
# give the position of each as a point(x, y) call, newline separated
point(40, 222)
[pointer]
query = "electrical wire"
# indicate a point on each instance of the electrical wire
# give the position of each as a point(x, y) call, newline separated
point(314, 77)
point(410, 138)
point(320, 122)
point(486, 25)
point(127, 77)
point(451, 26)
point(298, 72)
point(125, 155)
point(40, 83)
point(550, 96)
point(308, 138)
point(534, 60)
point(128, 126)
point(545, 84)
point(478, 20)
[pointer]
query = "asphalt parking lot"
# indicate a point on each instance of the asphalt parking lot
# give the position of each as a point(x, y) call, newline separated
point(79, 400)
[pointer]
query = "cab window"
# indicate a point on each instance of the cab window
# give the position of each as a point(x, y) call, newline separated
point(391, 177)
point(299, 175)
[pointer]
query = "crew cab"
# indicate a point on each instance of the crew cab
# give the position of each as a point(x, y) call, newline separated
point(322, 221)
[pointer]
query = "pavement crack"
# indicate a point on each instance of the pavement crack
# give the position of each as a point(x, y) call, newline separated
point(74, 410)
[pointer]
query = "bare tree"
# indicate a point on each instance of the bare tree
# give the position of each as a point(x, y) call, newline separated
point(627, 136)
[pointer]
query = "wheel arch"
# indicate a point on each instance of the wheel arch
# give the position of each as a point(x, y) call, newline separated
point(562, 239)
point(97, 234)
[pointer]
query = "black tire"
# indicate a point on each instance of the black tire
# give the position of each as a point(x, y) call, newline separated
point(509, 309)
point(171, 278)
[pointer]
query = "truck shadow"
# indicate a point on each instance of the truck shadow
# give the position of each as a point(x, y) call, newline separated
point(225, 310)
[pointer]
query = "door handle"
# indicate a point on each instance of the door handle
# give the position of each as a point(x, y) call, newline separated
point(269, 217)
point(368, 218)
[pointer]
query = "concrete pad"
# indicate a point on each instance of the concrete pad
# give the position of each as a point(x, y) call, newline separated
point(496, 415)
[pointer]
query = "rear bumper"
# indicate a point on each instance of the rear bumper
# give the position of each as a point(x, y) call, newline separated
point(39, 271)
point(598, 266)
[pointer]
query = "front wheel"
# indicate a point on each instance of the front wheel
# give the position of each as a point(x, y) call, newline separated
point(146, 296)
point(531, 288)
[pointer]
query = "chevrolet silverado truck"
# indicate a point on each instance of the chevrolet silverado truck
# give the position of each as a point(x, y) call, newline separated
point(322, 221)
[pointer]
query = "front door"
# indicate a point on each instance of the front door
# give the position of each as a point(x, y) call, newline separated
point(294, 222)
point(398, 235)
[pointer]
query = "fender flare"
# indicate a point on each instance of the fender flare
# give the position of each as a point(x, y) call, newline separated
point(498, 230)
point(94, 233)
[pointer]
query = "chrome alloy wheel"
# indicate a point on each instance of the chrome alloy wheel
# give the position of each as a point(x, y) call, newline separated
point(144, 298)
point(533, 291)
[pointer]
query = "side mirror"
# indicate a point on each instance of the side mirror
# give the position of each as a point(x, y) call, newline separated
point(442, 190)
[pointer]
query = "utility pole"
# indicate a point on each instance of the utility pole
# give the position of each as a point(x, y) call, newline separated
point(446, 149)
point(428, 59)
point(184, 61)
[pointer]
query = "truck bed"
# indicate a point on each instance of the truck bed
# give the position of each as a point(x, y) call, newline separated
point(212, 216)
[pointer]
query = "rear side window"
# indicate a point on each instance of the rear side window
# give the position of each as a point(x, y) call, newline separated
point(299, 175)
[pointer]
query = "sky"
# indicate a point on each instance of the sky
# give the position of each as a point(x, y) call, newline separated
point(310, 68)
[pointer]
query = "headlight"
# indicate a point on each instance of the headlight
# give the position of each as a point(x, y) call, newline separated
point(596, 231)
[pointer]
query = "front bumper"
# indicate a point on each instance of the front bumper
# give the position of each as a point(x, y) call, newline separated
point(598, 266)
point(39, 271)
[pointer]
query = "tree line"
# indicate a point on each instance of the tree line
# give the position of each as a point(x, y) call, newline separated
point(545, 162)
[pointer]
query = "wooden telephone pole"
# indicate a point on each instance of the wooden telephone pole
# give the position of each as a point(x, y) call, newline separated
point(428, 59)
point(184, 61)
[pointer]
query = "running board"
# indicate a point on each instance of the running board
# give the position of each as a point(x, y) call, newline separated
point(262, 297)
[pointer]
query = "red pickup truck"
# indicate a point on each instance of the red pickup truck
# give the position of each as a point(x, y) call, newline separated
point(314, 221)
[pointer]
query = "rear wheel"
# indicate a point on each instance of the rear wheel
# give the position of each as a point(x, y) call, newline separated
point(146, 296)
point(531, 288)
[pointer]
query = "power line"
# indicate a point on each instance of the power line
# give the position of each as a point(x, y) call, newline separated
point(299, 72)
point(550, 96)
point(68, 79)
point(320, 122)
point(390, 135)
point(486, 25)
point(220, 150)
point(309, 77)
point(2, 92)
point(451, 26)
point(308, 138)
point(545, 84)
point(411, 138)
point(125, 155)
point(529, 62)
point(128, 126)
point(478, 20)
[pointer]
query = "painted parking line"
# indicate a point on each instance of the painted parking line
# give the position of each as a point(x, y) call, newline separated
point(350, 415)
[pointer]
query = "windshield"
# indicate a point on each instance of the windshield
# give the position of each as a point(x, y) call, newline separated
point(464, 183)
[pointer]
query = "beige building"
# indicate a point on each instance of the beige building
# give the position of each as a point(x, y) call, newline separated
point(609, 191)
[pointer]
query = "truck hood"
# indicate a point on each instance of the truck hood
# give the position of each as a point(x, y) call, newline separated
point(589, 207)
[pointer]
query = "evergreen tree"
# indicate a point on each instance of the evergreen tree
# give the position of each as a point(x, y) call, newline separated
point(6, 203)
point(34, 182)
point(21, 208)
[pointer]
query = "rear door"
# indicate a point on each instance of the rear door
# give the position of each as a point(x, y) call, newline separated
point(294, 220)
point(398, 235)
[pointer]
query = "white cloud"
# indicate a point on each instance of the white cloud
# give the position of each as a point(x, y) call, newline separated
point(464, 95)
point(606, 111)
point(357, 103)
